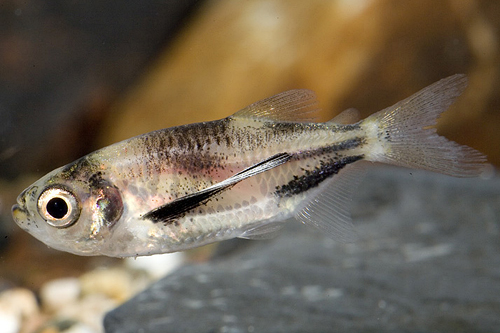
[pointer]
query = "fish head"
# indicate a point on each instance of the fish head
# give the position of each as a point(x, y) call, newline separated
point(72, 209)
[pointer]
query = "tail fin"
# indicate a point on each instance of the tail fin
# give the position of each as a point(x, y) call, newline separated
point(403, 132)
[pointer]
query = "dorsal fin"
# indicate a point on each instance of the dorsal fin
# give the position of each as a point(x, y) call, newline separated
point(298, 105)
point(346, 117)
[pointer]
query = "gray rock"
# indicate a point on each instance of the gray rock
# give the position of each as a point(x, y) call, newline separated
point(427, 260)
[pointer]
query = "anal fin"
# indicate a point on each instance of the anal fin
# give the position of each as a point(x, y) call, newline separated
point(329, 210)
point(263, 231)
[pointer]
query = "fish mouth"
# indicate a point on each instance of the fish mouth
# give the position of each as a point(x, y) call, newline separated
point(19, 214)
point(19, 211)
point(21, 201)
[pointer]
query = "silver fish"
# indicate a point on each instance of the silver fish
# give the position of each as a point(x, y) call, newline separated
point(241, 176)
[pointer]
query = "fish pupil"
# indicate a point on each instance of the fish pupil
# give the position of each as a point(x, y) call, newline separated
point(57, 208)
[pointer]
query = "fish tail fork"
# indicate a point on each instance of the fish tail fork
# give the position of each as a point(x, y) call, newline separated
point(404, 134)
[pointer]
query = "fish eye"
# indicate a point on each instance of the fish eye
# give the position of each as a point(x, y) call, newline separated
point(58, 207)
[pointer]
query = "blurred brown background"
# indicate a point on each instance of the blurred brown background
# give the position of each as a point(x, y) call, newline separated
point(362, 54)
point(83, 75)
point(75, 76)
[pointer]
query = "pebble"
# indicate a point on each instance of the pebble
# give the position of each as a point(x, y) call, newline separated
point(159, 265)
point(77, 305)
point(88, 312)
point(9, 321)
point(16, 305)
point(116, 283)
point(59, 293)
point(80, 328)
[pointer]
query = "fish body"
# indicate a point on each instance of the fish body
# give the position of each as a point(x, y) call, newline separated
point(241, 176)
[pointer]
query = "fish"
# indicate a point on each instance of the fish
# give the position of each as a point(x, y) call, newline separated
point(243, 176)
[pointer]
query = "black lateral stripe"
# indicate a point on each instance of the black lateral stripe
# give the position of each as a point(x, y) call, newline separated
point(170, 211)
point(176, 208)
point(348, 144)
point(312, 178)
point(343, 145)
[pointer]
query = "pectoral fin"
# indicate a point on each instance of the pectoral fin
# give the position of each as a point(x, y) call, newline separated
point(176, 208)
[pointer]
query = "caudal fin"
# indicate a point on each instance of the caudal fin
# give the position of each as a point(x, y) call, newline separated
point(407, 138)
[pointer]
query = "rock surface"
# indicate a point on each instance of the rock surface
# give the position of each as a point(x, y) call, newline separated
point(426, 260)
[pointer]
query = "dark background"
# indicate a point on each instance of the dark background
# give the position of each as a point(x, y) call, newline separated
point(78, 75)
